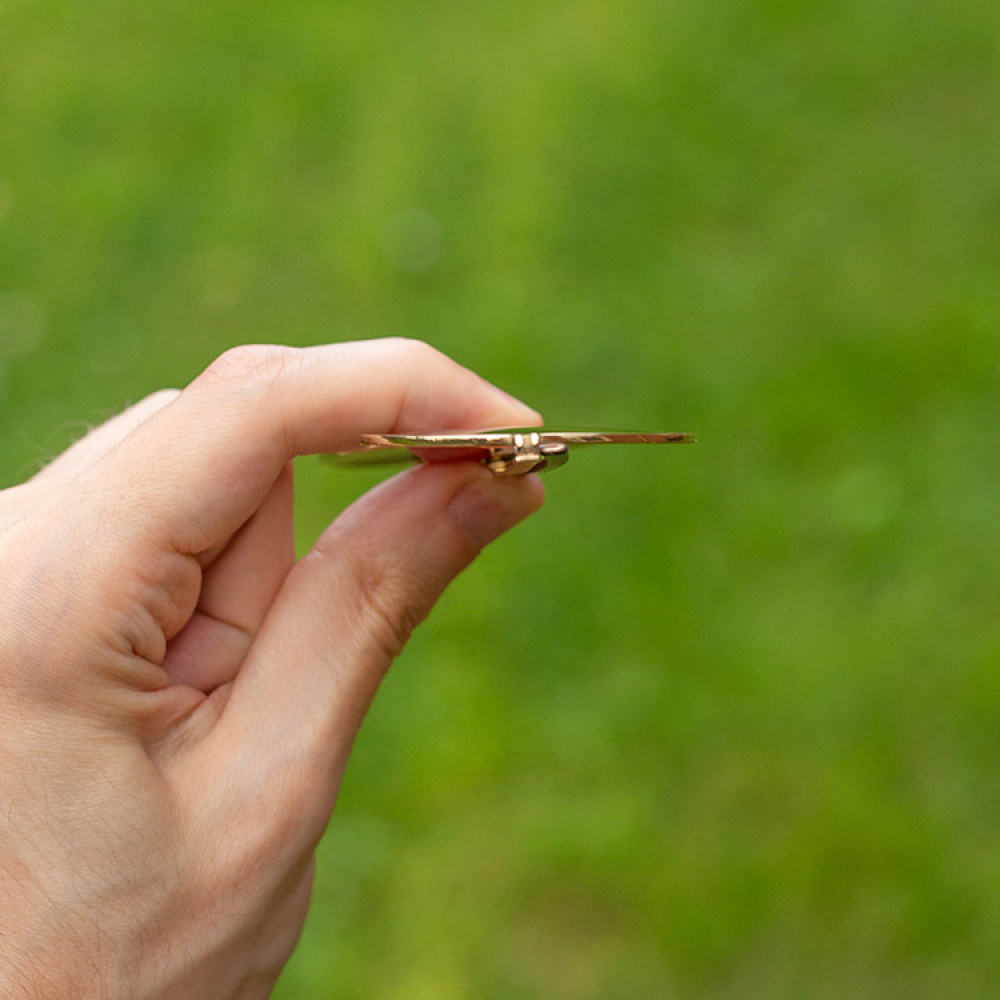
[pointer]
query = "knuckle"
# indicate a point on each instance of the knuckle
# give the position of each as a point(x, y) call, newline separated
point(412, 349)
point(250, 364)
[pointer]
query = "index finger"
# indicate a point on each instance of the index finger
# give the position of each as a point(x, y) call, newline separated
point(198, 469)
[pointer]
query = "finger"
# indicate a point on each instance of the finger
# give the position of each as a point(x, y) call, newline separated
point(83, 453)
point(348, 607)
point(237, 590)
point(198, 469)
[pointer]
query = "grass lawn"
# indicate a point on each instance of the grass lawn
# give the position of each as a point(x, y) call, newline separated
point(721, 721)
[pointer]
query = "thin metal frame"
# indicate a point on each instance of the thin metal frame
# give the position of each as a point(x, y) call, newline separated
point(508, 451)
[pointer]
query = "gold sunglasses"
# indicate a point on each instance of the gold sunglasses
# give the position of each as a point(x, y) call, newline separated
point(505, 452)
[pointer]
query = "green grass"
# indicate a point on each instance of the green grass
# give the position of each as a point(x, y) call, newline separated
point(721, 721)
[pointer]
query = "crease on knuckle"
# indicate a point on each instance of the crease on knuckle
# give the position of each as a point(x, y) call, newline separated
point(252, 365)
point(391, 609)
point(412, 346)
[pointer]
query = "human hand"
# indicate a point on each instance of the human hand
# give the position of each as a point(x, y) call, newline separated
point(178, 695)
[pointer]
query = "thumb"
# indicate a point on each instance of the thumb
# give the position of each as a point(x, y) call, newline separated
point(348, 607)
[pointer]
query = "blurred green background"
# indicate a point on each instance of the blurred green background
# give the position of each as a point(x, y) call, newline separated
point(721, 721)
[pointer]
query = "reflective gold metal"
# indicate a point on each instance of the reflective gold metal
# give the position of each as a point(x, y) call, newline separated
point(513, 451)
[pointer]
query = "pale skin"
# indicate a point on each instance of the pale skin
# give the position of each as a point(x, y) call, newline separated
point(178, 694)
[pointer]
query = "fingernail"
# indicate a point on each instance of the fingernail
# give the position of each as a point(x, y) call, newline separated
point(485, 509)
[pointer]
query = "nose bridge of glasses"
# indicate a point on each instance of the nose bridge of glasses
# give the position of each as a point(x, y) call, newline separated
point(526, 452)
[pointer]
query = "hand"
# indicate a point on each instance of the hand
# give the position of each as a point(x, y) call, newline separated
point(178, 695)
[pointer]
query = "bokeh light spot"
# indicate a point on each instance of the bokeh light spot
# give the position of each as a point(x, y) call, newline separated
point(113, 347)
point(413, 240)
point(224, 276)
point(865, 499)
point(22, 323)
